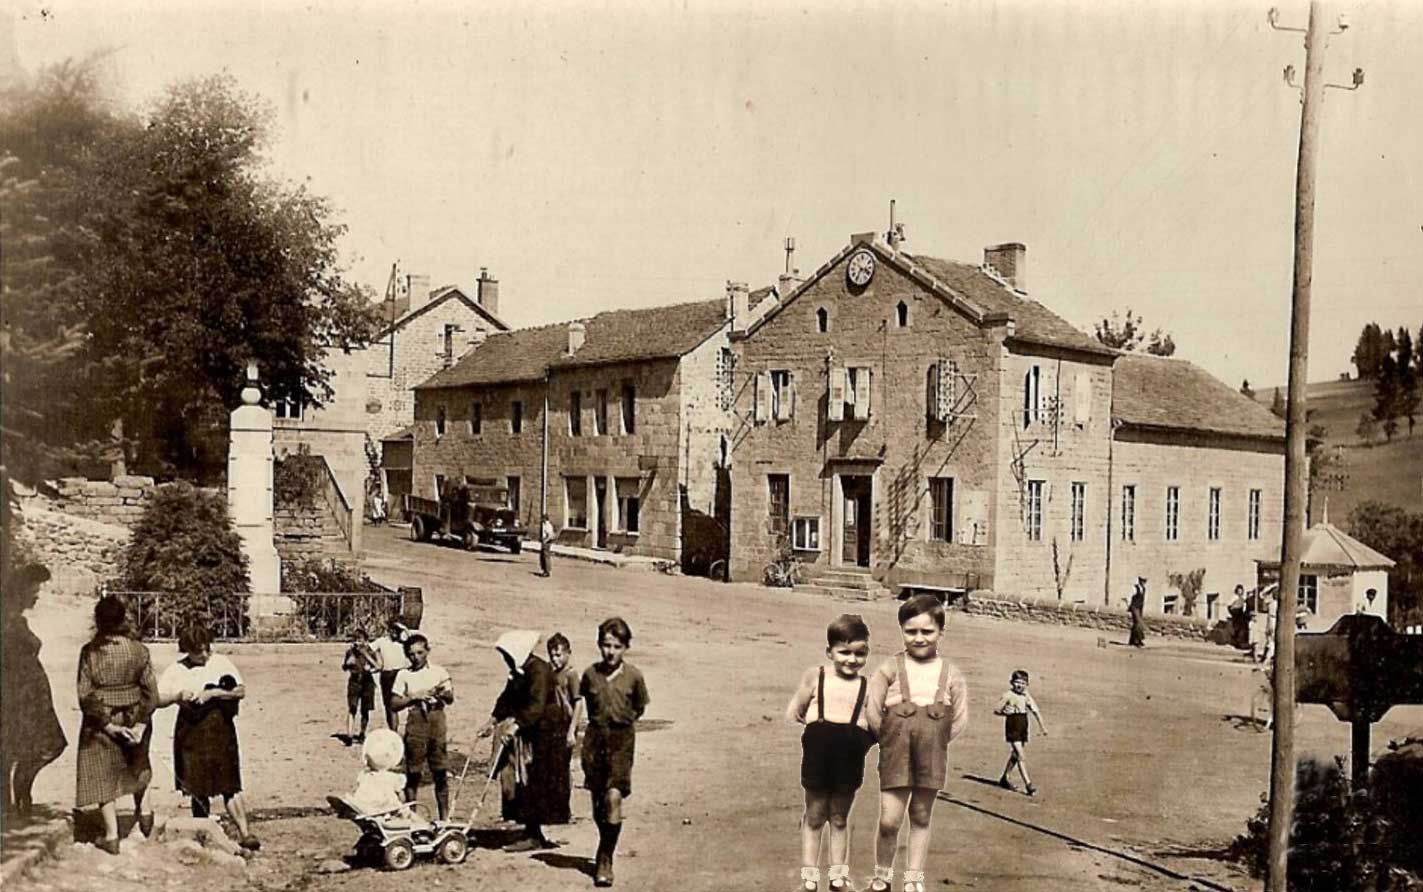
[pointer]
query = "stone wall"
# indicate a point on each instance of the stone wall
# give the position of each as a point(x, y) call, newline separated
point(119, 502)
point(1089, 616)
point(80, 552)
point(297, 532)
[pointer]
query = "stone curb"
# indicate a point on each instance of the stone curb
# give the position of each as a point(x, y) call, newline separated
point(41, 842)
point(593, 557)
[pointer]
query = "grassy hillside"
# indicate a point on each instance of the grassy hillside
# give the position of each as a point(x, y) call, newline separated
point(1391, 473)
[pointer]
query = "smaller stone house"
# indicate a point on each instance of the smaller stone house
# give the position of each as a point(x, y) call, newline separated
point(1339, 575)
point(615, 425)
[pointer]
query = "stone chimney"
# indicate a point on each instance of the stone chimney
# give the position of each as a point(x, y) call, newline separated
point(418, 287)
point(738, 305)
point(1009, 260)
point(488, 291)
point(577, 331)
point(787, 283)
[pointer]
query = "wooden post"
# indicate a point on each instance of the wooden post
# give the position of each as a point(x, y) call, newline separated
point(1282, 750)
point(1359, 753)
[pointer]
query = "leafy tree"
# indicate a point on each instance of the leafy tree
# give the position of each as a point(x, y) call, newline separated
point(1246, 389)
point(1368, 428)
point(1387, 396)
point(1407, 380)
point(1189, 585)
point(185, 544)
point(1369, 351)
point(161, 238)
point(1125, 332)
point(1397, 534)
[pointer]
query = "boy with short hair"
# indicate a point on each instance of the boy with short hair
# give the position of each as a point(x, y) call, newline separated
point(425, 689)
point(833, 748)
point(1015, 707)
point(565, 689)
point(390, 651)
point(616, 696)
point(359, 663)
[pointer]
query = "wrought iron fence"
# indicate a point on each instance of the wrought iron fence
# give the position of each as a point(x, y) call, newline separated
point(290, 616)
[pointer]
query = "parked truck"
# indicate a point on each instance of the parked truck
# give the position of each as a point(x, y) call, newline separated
point(471, 514)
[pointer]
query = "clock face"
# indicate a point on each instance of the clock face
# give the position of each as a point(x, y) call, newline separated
point(861, 268)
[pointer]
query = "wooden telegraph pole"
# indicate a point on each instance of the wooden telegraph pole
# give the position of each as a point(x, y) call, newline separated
point(1282, 757)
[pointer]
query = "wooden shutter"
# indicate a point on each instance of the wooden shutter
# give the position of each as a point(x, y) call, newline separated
point(862, 394)
point(835, 400)
point(763, 396)
point(785, 398)
point(946, 392)
point(1082, 398)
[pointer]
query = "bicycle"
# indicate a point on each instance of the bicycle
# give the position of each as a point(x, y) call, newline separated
point(782, 573)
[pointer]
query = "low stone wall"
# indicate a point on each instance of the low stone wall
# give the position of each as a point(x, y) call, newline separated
point(79, 552)
point(118, 502)
point(1089, 616)
point(297, 532)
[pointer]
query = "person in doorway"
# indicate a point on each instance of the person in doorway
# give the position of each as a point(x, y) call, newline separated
point(425, 690)
point(1136, 607)
point(390, 652)
point(207, 689)
point(546, 536)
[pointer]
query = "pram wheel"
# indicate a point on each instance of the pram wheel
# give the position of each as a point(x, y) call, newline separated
point(453, 848)
point(399, 854)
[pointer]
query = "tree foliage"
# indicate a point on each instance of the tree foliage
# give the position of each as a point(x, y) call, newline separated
point(1125, 332)
point(157, 257)
point(1397, 534)
point(1369, 351)
point(1189, 585)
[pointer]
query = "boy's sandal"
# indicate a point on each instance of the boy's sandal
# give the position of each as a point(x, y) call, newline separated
point(841, 884)
point(879, 885)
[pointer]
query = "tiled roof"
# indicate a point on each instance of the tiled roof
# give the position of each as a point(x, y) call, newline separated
point(525, 354)
point(403, 313)
point(405, 433)
point(1158, 391)
point(1032, 322)
point(1327, 545)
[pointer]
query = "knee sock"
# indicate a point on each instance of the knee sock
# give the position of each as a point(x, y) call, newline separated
point(608, 838)
point(884, 873)
point(914, 876)
point(839, 872)
point(810, 875)
point(442, 793)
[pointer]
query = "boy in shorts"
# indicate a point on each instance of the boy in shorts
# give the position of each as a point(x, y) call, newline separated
point(1015, 707)
point(833, 747)
point(425, 689)
point(616, 697)
point(359, 663)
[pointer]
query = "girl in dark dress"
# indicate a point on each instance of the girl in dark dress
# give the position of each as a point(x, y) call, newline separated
point(528, 718)
point(117, 695)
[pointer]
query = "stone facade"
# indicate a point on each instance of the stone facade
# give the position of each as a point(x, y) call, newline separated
point(81, 552)
point(297, 533)
point(1060, 613)
point(119, 502)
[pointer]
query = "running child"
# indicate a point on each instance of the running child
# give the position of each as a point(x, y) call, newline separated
point(918, 703)
point(833, 748)
point(1015, 706)
point(425, 689)
point(360, 664)
point(615, 696)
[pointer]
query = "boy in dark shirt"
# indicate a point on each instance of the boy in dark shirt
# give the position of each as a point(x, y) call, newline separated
point(616, 696)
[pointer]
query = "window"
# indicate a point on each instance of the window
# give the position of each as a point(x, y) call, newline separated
point(1212, 605)
point(440, 417)
point(1173, 513)
point(782, 395)
point(1253, 529)
point(291, 410)
point(941, 507)
point(1309, 592)
point(1079, 510)
point(630, 407)
point(725, 392)
point(822, 320)
point(516, 417)
point(943, 390)
point(1129, 513)
point(805, 535)
point(857, 392)
point(600, 414)
point(1032, 395)
point(629, 502)
point(778, 489)
point(449, 339)
point(1168, 605)
point(1213, 515)
point(901, 315)
point(1035, 510)
point(476, 419)
point(439, 484)
point(575, 503)
point(515, 492)
point(575, 413)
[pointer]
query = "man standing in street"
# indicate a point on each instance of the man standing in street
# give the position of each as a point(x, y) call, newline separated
point(546, 537)
point(390, 651)
point(1135, 609)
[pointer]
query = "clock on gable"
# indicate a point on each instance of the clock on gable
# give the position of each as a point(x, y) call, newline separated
point(861, 268)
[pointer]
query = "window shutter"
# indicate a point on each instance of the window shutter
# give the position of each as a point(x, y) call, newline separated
point(1028, 398)
point(763, 396)
point(1082, 398)
point(862, 394)
point(835, 400)
point(785, 400)
point(947, 390)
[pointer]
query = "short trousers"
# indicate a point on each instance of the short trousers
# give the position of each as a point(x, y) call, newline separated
point(833, 756)
point(360, 692)
point(425, 741)
point(1015, 728)
point(607, 757)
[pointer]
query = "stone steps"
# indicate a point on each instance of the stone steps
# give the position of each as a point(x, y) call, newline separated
point(845, 594)
point(846, 584)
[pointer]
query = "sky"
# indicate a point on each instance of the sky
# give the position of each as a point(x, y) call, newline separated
point(616, 154)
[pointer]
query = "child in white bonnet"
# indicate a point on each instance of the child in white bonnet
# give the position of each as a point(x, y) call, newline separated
point(380, 785)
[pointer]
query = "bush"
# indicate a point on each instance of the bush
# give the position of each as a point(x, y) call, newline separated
point(335, 618)
point(315, 575)
point(185, 544)
point(297, 479)
point(1341, 840)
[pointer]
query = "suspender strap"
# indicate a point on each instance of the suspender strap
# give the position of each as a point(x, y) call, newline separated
point(903, 679)
point(820, 697)
point(859, 702)
point(941, 694)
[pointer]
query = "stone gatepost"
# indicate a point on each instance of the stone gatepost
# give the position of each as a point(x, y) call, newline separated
point(249, 496)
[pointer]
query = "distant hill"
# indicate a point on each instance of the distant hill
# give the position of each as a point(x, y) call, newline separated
point(1391, 473)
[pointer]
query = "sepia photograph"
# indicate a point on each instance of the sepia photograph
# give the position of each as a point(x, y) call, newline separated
point(805, 445)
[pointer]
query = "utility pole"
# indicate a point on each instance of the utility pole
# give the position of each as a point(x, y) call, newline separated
point(1282, 751)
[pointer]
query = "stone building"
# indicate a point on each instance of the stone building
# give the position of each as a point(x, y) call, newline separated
point(920, 421)
point(614, 425)
point(1339, 575)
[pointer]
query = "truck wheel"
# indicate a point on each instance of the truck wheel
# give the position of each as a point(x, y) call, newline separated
point(419, 530)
